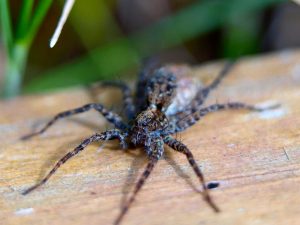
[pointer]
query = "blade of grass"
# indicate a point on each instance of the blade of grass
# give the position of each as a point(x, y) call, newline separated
point(14, 71)
point(17, 50)
point(37, 18)
point(24, 18)
point(6, 27)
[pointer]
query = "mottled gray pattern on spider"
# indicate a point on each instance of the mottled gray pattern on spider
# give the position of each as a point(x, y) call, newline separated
point(166, 102)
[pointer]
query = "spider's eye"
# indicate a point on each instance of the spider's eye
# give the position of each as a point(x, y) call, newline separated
point(159, 106)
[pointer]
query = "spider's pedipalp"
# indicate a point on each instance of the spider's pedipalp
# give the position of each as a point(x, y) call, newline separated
point(110, 116)
point(180, 147)
point(107, 135)
point(137, 188)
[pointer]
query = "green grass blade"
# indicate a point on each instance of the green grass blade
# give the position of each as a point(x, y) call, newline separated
point(24, 18)
point(37, 18)
point(6, 27)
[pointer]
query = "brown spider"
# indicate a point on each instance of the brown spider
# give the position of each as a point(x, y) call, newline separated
point(151, 122)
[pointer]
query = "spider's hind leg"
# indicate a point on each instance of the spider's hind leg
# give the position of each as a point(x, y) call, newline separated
point(110, 116)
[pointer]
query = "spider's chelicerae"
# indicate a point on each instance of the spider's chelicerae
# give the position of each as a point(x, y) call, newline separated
point(152, 118)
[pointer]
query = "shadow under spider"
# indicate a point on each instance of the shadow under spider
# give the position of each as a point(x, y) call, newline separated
point(63, 149)
point(89, 124)
point(139, 159)
point(178, 170)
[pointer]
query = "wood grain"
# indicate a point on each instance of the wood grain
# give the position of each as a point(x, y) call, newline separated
point(254, 156)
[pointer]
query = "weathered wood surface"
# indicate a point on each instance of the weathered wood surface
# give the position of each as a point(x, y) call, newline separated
point(254, 156)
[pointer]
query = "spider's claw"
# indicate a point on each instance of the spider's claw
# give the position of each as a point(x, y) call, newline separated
point(27, 191)
point(275, 106)
point(26, 137)
point(271, 107)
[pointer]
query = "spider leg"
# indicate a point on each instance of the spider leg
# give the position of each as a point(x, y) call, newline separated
point(180, 147)
point(110, 116)
point(107, 135)
point(202, 94)
point(127, 96)
point(137, 188)
point(192, 118)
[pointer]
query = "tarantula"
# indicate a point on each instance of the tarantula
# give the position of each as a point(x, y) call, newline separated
point(150, 120)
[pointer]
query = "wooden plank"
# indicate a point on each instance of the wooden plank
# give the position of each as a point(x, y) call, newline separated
point(254, 156)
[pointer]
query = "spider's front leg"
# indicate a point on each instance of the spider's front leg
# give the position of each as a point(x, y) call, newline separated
point(180, 147)
point(110, 116)
point(107, 135)
point(191, 119)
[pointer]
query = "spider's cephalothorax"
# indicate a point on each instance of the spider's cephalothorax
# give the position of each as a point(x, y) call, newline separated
point(148, 128)
point(151, 124)
point(162, 106)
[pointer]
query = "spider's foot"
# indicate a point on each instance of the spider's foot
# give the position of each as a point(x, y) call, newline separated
point(27, 136)
point(270, 107)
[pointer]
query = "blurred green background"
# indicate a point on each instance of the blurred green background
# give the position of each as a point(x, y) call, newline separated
point(109, 39)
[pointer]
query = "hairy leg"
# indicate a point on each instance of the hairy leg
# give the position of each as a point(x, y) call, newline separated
point(128, 105)
point(202, 94)
point(137, 188)
point(107, 135)
point(110, 116)
point(180, 147)
point(192, 118)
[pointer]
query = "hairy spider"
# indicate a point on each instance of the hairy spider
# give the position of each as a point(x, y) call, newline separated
point(154, 115)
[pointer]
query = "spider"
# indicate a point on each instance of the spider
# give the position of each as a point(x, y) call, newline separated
point(149, 121)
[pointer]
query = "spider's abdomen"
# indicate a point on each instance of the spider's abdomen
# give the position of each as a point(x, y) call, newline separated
point(161, 89)
point(187, 87)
